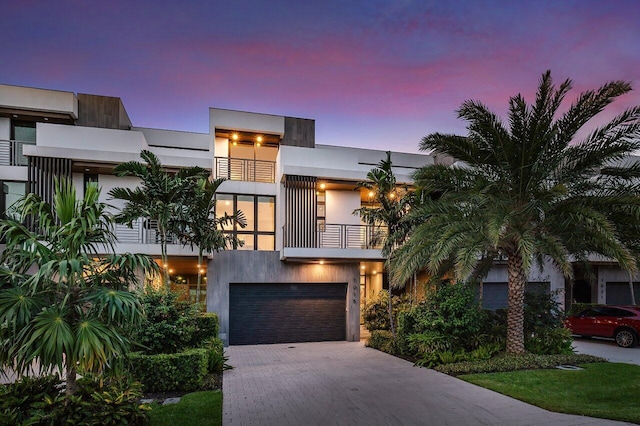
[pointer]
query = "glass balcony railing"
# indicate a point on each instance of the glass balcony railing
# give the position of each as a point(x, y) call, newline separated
point(11, 153)
point(245, 169)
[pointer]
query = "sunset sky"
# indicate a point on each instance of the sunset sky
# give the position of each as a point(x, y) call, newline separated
point(372, 73)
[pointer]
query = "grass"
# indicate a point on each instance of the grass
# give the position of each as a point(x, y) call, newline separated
point(194, 409)
point(604, 390)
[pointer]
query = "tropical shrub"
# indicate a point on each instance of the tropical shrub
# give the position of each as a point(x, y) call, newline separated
point(168, 326)
point(65, 298)
point(375, 313)
point(448, 319)
point(42, 401)
point(383, 341)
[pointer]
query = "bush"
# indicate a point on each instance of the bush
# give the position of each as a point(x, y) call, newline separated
point(206, 327)
point(42, 400)
point(383, 341)
point(171, 326)
point(449, 319)
point(183, 371)
point(375, 313)
point(168, 326)
point(505, 363)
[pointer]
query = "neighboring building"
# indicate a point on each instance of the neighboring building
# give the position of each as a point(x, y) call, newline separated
point(307, 263)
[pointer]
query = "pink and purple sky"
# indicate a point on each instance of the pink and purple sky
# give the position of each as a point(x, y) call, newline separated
point(372, 73)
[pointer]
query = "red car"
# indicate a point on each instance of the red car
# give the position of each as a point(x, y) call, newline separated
point(620, 322)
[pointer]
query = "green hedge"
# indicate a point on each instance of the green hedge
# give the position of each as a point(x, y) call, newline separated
point(207, 327)
point(516, 362)
point(183, 371)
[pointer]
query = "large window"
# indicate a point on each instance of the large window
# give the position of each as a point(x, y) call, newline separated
point(260, 214)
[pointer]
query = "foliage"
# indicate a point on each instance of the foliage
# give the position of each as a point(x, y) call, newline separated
point(194, 409)
point(509, 362)
point(605, 390)
point(184, 371)
point(438, 357)
point(543, 324)
point(41, 401)
point(528, 191)
point(170, 326)
point(391, 205)
point(217, 360)
point(167, 326)
point(384, 341)
point(375, 312)
point(160, 196)
point(198, 225)
point(549, 341)
point(63, 302)
point(448, 319)
point(576, 308)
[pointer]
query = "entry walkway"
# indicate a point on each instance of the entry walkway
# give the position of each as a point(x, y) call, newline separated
point(344, 383)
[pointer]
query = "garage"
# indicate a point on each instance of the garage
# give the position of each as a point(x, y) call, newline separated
point(619, 293)
point(496, 295)
point(286, 313)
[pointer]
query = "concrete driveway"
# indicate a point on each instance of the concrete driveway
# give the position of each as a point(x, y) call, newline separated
point(607, 349)
point(344, 383)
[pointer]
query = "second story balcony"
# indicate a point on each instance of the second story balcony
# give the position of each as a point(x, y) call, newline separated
point(246, 170)
point(11, 153)
point(339, 241)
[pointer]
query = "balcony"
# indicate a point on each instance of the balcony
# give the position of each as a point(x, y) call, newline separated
point(11, 153)
point(350, 236)
point(245, 169)
point(142, 232)
point(335, 241)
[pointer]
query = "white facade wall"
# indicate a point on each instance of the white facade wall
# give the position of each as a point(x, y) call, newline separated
point(245, 122)
point(5, 128)
point(340, 206)
point(38, 100)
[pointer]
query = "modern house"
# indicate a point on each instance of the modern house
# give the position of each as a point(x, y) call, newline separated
point(307, 263)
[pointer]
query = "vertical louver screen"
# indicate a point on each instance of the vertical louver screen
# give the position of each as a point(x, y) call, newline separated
point(300, 209)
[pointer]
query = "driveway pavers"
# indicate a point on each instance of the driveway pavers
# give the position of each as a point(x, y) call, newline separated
point(607, 349)
point(345, 383)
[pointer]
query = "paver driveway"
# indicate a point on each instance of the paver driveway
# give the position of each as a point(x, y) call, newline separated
point(344, 383)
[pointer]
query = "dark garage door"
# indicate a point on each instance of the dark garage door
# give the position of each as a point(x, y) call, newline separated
point(286, 313)
point(619, 293)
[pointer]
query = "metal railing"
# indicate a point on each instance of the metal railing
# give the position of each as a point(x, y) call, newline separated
point(142, 232)
point(11, 153)
point(245, 169)
point(344, 236)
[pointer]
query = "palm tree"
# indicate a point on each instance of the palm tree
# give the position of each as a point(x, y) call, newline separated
point(63, 302)
point(390, 207)
point(159, 198)
point(199, 225)
point(529, 192)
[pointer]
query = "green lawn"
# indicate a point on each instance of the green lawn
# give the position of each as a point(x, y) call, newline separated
point(605, 390)
point(194, 409)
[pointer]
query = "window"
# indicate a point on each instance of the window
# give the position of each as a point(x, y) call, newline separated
point(11, 192)
point(24, 131)
point(260, 214)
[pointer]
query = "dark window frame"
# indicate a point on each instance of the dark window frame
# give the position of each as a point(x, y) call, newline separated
point(255, 232)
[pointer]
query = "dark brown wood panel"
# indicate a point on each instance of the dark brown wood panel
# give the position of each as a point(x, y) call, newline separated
point(286, 313)
point(102, 111)
point(299, 132)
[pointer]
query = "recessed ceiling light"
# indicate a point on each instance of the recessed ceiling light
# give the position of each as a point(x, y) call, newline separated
point(234, 136)
point(323, 186)
point(322, 262)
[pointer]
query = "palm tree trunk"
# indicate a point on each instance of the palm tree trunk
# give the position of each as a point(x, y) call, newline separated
point(71, 386)
point(515, 314)
point(199, 279)
point(165, 260)
point(391, 325)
